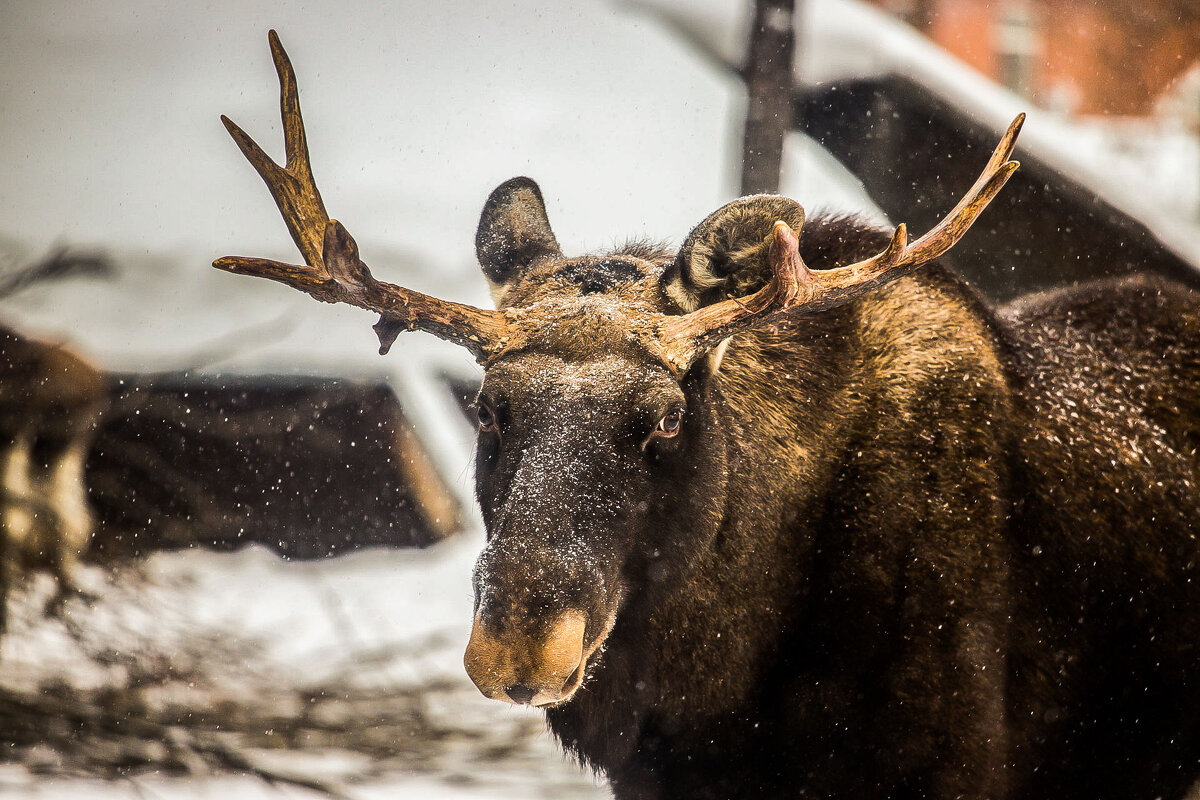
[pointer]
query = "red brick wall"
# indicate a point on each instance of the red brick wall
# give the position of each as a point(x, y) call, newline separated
point(1106, 56)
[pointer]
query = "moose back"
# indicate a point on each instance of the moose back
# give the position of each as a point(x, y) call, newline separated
point(782, 515)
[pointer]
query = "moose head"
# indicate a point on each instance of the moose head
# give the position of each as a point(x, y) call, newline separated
point(601, 461)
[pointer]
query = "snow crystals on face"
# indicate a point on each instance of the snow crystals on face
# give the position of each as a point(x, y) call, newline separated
point(565, 490)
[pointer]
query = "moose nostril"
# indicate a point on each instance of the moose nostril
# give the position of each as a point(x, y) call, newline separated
point(520, 694)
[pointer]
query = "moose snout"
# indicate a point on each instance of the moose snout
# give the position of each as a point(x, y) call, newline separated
point(522, 662)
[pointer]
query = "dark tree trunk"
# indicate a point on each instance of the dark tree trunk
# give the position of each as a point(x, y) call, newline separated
point(768, 76)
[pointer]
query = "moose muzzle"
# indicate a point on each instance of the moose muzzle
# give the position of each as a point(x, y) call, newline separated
point(546, 593)
point(534, 664)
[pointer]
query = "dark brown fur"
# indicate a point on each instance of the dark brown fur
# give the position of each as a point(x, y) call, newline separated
point(50, 401)
point(910, 547)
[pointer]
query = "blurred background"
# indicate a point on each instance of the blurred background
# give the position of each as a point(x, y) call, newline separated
point(237, 542)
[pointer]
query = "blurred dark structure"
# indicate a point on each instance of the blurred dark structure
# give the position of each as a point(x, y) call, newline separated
point(60, 263)
point(915, 153)
point(308, 467)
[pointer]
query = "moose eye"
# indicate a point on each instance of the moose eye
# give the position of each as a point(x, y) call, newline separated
point(487, 419)
point(668, 426)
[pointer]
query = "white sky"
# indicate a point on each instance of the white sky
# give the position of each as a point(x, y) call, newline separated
point(109, 118)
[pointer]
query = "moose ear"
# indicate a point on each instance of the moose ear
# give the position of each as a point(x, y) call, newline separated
point(513, 230)
point(728, 253)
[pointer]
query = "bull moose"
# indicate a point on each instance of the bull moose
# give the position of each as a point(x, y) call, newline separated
point(782, 515)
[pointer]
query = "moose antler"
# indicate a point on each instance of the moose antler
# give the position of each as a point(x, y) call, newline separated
point(796, 289)
point(334, 271)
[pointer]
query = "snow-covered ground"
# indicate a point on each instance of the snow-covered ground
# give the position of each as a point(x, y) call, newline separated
point(249, 631)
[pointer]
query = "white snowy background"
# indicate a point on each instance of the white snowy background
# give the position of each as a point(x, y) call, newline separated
point(415, 111)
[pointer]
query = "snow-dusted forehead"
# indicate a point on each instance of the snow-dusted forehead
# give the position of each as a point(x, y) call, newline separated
point(540, 380)
point(623, 278)
point(589, 329)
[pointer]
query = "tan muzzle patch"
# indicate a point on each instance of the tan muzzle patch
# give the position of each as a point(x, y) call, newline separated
point(523, 668)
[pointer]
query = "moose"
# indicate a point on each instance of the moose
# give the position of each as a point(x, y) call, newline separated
point(793, 513)
point(51, 401)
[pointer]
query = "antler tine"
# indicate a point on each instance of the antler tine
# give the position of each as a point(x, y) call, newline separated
point(684, 338)
point(997, 172)
point(335, 273)
point(292, 185)
point(836, 286)
point(295, 143)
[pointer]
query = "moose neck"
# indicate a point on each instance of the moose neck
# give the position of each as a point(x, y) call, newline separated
point(749, 409)
point(801, 403)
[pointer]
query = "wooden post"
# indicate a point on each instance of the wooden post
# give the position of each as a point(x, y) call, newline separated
point(768, 76)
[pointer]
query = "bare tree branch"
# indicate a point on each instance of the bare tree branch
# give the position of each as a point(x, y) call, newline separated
point(60, 263)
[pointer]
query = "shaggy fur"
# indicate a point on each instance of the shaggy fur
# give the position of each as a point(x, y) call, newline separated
point(911, 547)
